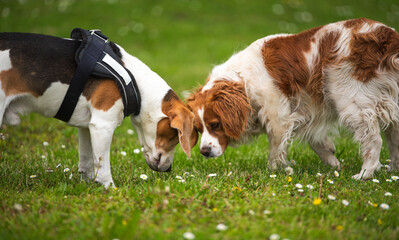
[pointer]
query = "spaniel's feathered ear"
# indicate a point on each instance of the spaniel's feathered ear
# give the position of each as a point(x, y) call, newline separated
point(231, 104)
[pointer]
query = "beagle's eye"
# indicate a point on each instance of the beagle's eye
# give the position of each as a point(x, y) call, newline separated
point(214, 125)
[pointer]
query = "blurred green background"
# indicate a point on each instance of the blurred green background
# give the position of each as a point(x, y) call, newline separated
point(182, 39)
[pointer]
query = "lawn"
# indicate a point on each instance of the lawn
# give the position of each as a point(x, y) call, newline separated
point(234, 196)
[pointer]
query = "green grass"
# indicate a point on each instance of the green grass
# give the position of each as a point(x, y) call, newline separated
point(181, 40)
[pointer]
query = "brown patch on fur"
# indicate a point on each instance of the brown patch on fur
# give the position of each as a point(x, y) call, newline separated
point(167, 137)
point(180, 120)
point(212, 116)
point(285, 61)
point(357, 23)
point(231, 104)
point(12, 84)
point(103, 94)
point(326, 56)
point(372, 50)
point(227, 103)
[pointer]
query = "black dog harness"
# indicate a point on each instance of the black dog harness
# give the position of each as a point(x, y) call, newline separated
point(96, 57)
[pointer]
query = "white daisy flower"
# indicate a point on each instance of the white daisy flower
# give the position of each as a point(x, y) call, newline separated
point(309, 186)
point(123, 153)
point(229, 174)
point(66, 170)
point(394, 178)
point(45, 144)
point(388, 194)
point(49, 170)
point(43, 157)
point(70, 176)
point(142, 149)
point(298, 185)
point(300, 190)
point(274, 236)
point(212, 175)
point(293, 162)
point(179, 177)
point(59, 165)
point(376, 180)
point(130, 132)
point(189, 235)
point(345, 202)
point(18, 207)
point(221, 227)
point(143, 176)
point(136, 151)
point(251, 212)
point(330, 181)
point(63, 146)
point(289, 170)
point(318, 174)
point(273, 176)
point(336, 173)
point(331, 197)
point(181, 180)
point(267, 212)
point(388, 160)
point(389, 180)
point(384, 206)
point(273, 194)
point(32, 176)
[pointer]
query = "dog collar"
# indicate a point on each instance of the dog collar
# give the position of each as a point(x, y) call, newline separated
point(96, 57)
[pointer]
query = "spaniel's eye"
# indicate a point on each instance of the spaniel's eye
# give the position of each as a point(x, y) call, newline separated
point(214, 125)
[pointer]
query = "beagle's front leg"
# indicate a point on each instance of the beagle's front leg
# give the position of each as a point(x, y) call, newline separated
point(102, 127)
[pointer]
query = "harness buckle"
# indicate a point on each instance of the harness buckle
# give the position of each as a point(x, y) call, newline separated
point(97, 33)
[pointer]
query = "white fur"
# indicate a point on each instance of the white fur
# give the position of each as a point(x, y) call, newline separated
point(363, 108)
point(5, 60)
point(96, 127)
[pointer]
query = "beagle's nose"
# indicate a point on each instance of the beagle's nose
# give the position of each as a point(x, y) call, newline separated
point(205, 151)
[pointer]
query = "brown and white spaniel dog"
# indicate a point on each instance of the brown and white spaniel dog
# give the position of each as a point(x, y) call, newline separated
point(305, 85)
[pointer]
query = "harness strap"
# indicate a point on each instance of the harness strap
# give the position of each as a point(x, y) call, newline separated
point(82, 73)
point(98, 57)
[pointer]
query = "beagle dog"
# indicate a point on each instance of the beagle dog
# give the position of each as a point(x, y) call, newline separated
point(35, 73)
point(305, 85)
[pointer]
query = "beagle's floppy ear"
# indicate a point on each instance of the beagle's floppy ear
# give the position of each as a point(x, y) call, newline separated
point(181, 119)
point(194, 138)
point(231, 104)
point(183, 122)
